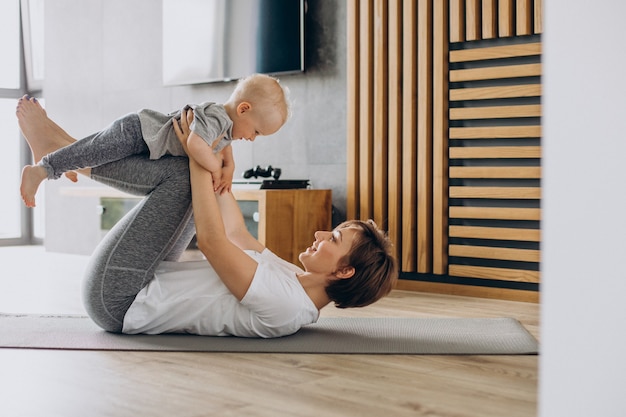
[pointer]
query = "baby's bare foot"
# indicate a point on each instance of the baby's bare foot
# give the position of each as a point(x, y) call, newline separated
point(32, 176)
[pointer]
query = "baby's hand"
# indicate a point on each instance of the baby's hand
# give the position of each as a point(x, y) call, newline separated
point(225, 186)
point(227, 178)
point(217, 180)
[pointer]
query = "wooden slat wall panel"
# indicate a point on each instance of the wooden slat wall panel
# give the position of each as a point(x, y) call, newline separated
point(352, 131)
point(366, 104)
point(394, 220)
point(510, 71)
point(483, 93)
point(486, 252)
point(495, 52)
point(493, 132)
point(408, 261)
point(538, 13)
point(523, 17)
point(494, 228)
point(472, 20)
point(496, 233)
point(440, 136)
point(489, 19)
point(516, 275)
point(473, 17)
point(496, 152)
point(512, 193)
point(506, 24)
point(424, 136)
point(495, 112)
point(457, 20)
point(495, 172)
point(381, 106)
point(421, 139)
point(383, 117)
point(497, 213)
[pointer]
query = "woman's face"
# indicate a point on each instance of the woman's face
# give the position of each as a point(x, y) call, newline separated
point(328, 249)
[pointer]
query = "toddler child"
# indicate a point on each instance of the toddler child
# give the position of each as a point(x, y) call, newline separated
point(257, 107)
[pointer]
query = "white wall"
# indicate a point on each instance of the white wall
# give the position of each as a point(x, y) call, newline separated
point(583, 355)
point(103, 60)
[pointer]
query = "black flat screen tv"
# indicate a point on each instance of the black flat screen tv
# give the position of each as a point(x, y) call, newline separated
point(221, 40)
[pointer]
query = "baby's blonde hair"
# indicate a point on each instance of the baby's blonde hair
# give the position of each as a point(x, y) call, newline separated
point(264, 91)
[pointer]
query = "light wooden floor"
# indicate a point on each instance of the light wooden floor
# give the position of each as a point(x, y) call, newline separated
point(85, 383)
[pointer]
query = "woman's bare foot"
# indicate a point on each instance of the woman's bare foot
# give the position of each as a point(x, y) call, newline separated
point(41, 133)
point(32, 176)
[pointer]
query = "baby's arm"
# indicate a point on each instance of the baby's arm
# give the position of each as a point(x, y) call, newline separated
point(228, 170)
point(203, 154)
point(198, 150)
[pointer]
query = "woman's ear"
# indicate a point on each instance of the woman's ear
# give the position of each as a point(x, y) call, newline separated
point(243, 107)
point(345, 272)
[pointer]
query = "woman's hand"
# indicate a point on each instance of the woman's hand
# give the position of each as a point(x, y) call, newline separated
point(182, 128)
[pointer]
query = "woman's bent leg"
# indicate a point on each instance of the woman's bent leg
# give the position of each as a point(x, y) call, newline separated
point(120, 139)
point(158, 227)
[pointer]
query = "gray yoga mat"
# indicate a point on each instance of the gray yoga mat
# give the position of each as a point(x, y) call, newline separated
point(435, 336)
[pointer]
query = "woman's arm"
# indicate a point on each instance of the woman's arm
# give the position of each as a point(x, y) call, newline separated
point(235, 225)
point(234, 267)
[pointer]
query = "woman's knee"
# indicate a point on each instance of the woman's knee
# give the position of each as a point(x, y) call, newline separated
point(177, 170)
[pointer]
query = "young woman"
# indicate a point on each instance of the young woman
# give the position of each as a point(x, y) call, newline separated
point(134, 284)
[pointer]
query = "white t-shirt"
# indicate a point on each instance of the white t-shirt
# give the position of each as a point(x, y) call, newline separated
point(189, 297)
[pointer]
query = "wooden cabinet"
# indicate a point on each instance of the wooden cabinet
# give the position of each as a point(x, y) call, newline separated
point(285, 220)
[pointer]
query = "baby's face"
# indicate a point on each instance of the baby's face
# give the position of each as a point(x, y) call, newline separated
point(254, 123)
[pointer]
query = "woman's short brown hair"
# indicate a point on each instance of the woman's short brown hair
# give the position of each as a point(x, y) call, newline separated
point(376, 270)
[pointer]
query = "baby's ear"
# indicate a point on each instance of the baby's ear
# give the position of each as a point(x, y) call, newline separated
point(243, 107)
point(345, 272)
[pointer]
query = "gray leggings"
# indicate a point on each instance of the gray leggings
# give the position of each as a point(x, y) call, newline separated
point(159, 228)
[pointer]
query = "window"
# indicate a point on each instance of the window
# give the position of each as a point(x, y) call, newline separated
point(10, 224)
point(21, 72)
point(10, 46)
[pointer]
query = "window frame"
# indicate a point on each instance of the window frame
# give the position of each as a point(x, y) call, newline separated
point(31, 86)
